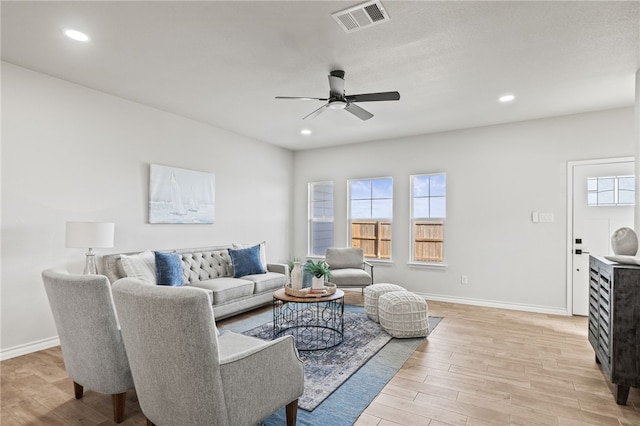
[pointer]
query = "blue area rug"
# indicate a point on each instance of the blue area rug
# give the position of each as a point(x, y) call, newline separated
point(348, 401)
point(326, 369)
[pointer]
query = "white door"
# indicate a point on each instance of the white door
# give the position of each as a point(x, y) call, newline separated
point(594, 225)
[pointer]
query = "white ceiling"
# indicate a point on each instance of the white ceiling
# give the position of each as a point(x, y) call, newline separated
point(223, 63)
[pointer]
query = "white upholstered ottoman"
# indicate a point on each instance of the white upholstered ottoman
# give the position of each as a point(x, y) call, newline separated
point(403, 314)
point(371, 295)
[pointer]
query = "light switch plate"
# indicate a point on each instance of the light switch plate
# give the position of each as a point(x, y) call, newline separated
point(546, 217)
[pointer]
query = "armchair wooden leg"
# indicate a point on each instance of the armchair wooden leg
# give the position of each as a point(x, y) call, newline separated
point(118, 401)
point(78, 390)
point(292, 413)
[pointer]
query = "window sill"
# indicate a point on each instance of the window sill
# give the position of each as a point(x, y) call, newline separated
point(380, 262)
point(427, 265)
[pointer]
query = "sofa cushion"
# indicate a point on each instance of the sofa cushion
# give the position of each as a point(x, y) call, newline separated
point(246, 261)
point(141, 266)
point(266, 282)
point(226, 289)
point(168, 269)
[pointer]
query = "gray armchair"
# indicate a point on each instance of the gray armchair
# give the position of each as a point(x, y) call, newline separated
point(348, 267)
point(92, 347)
point(187, 374)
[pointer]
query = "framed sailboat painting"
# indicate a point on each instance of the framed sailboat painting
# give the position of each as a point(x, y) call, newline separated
point(180, 196)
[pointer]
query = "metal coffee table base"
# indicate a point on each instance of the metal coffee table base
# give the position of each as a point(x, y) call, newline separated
point(313, 324)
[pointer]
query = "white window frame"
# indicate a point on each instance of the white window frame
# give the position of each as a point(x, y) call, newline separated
point(322, 219)
point(438, 220)
point(380, 221)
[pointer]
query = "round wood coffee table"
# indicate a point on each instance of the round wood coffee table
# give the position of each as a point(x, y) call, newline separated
point(314, 322)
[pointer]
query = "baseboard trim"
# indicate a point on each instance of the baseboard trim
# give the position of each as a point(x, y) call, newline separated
point(494, 304)
point(28, 348)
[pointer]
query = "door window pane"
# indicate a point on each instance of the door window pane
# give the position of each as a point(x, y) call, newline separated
point(611, 191)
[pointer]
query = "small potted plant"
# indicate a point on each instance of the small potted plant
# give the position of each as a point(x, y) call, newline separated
point(320, 271)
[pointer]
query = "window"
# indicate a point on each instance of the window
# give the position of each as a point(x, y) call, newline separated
point(320, 217)
point(428, 212)
point(370, 216)
point(611, 191)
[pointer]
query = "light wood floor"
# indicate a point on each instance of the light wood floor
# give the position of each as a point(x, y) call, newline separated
point(484, 366)
point(481, 366)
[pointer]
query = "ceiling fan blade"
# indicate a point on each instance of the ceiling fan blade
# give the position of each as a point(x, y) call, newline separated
point(372, 97)
point(361, 113)
point(316, 112)
point(336, 86)
point(302, 98)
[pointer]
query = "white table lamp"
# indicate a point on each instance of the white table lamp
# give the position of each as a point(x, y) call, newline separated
point(90, 235)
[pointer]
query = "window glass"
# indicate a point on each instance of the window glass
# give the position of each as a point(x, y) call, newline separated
point(370, 216)
point(428, 212)
point(320, 217)
point(611, 191)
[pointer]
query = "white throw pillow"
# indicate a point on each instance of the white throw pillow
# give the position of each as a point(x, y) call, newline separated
point(141, 266)
point(263, 251)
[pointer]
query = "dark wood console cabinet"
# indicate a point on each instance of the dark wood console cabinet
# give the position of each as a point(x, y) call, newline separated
point(614, 322)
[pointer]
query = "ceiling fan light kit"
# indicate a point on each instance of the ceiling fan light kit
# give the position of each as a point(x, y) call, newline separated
point(338, 100)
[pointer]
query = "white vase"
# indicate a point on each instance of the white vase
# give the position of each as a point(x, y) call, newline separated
point(317, 282)
point(296, 276)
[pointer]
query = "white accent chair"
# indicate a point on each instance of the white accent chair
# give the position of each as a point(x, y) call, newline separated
point(348, 267)
point(186, 374)
point(92, 348)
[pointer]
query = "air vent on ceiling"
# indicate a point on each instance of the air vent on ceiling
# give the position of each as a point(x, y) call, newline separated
point(361, 16)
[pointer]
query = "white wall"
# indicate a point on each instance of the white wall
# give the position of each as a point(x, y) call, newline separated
point(71, 153)
point(496, 176)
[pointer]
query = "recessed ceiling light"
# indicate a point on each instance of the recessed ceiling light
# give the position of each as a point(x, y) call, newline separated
point(75, 35)
point(506, 98)
point(305, 132)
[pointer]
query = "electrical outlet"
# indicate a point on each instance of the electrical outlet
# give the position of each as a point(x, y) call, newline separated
point(464, 279)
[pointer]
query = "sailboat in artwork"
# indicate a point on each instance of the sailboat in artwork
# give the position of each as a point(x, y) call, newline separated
point(193, 204)
point(176, 197)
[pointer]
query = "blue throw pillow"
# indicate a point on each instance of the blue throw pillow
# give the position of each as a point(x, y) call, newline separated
point(246, 261)
point(169, 269)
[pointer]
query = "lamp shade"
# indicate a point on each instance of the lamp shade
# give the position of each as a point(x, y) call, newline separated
point(89, 234)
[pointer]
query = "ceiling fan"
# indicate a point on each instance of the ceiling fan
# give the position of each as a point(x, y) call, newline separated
point(338, 100)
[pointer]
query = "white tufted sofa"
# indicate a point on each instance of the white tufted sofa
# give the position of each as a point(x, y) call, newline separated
point(210, 268)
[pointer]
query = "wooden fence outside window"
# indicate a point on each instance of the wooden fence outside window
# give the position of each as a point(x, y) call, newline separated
point(428, 244)
point(374, 238)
